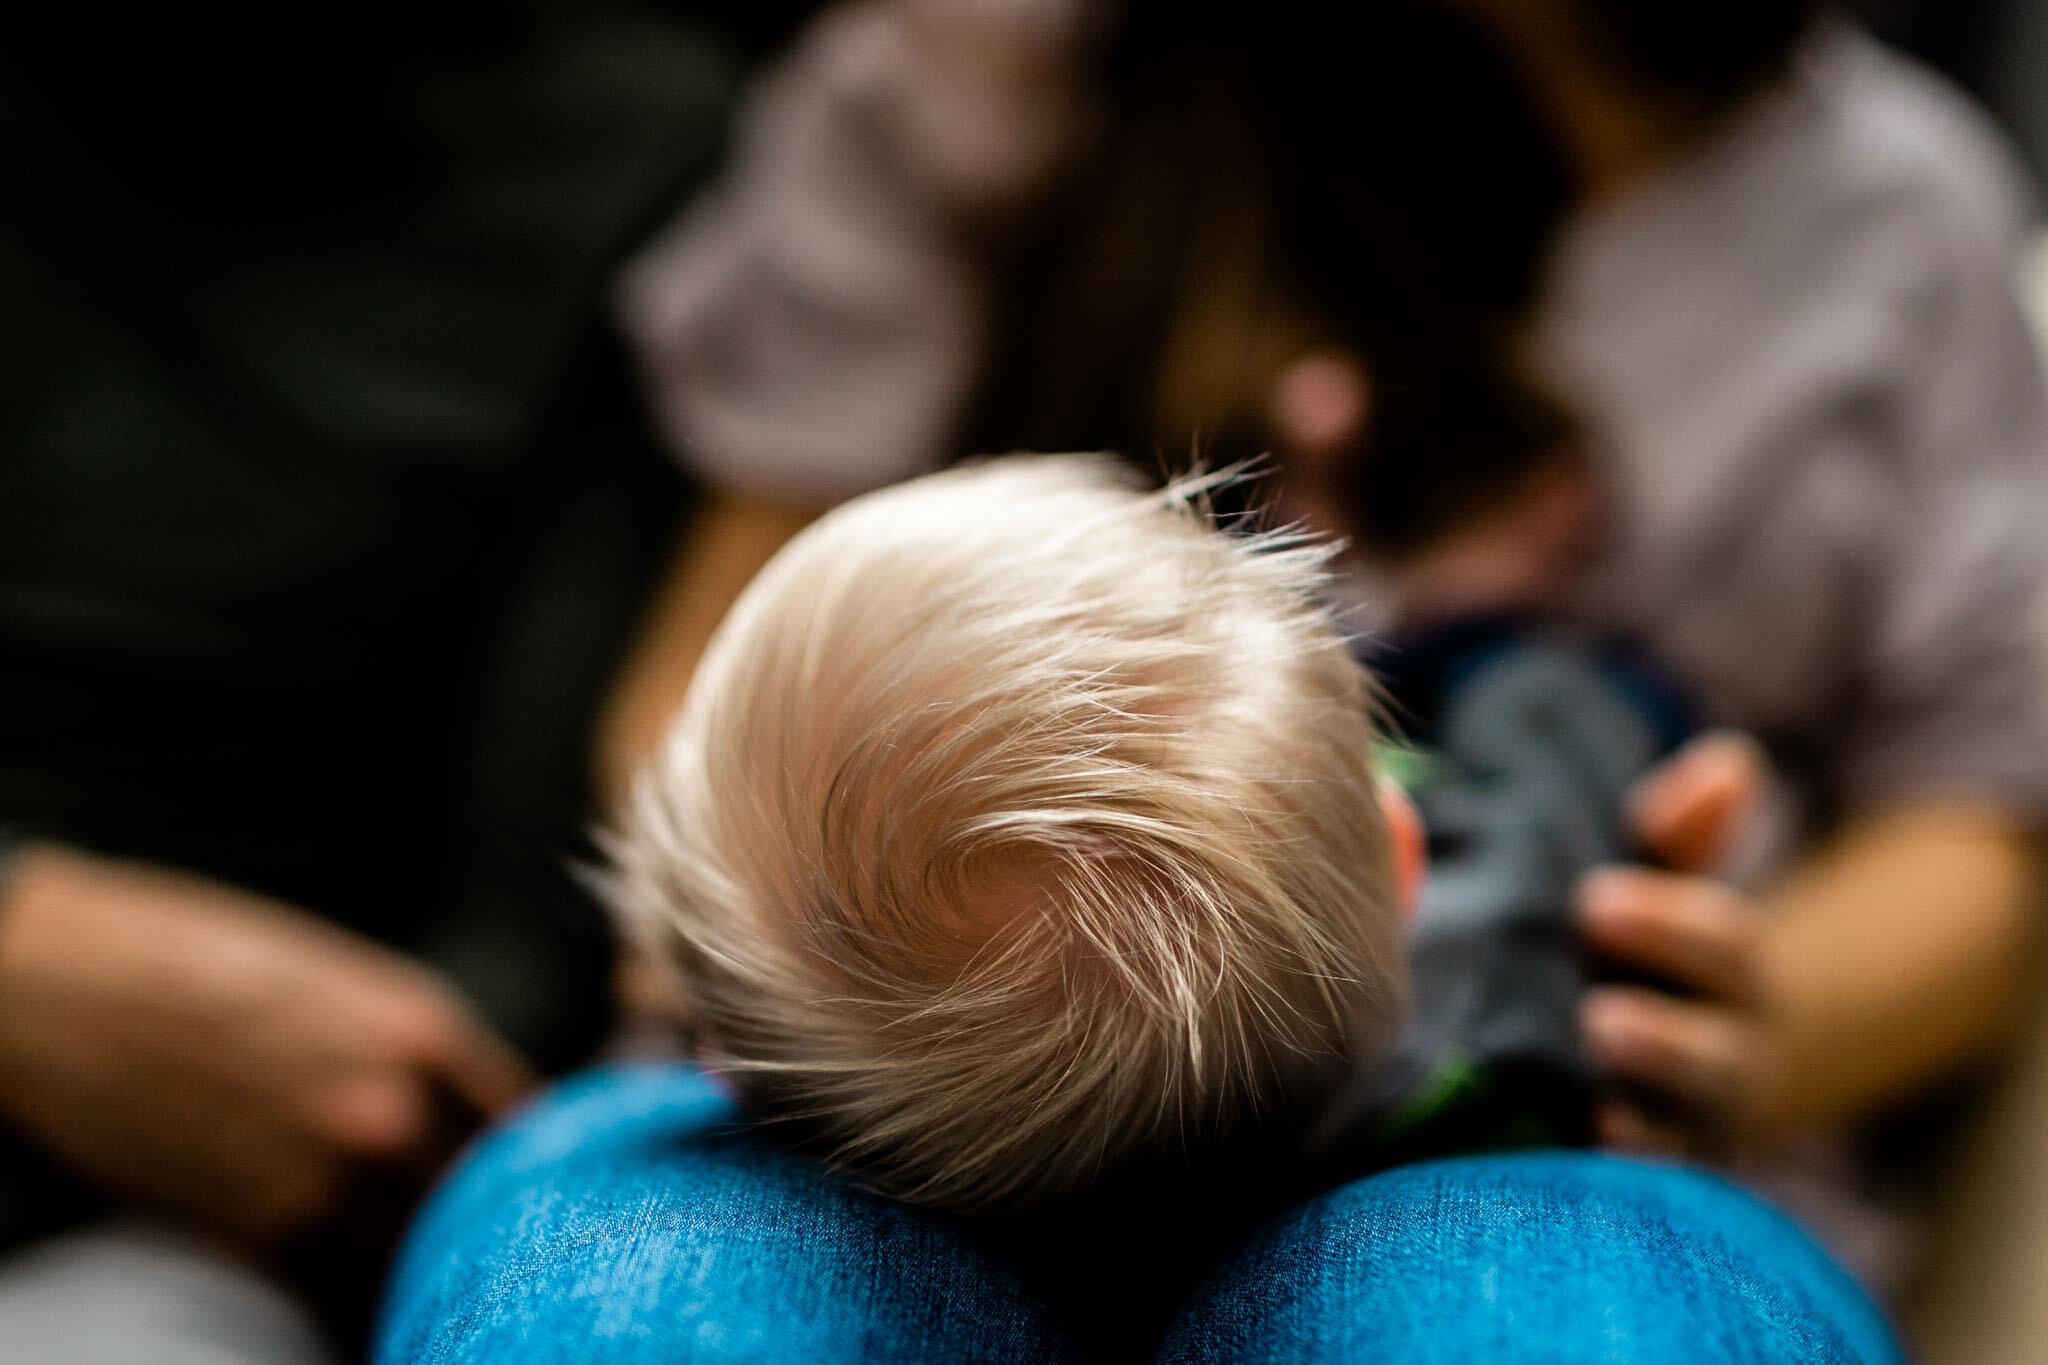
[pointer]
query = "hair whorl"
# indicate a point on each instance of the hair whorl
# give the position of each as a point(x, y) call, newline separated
point(1017, 821)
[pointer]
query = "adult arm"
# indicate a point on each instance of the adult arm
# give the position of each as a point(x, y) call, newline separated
point(723, 548)
point(812, 327)
point(1898, 949)
point(203, 1049)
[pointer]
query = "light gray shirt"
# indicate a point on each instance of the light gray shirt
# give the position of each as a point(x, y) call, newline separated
point(1822, 420)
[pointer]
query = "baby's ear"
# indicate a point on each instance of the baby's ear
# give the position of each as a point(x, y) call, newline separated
point(1411, 852)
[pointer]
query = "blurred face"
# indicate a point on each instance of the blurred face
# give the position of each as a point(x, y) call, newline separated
point(1525, 553)
point(1317, 412)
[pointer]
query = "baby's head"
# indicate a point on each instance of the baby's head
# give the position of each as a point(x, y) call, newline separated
point(1019, 823)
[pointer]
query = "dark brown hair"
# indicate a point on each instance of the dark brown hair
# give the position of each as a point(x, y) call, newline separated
point(1271, 181)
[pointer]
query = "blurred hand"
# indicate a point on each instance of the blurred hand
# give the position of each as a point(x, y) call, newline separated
point(1704, 1055)
point(1706, 1059)
point(205, 1049)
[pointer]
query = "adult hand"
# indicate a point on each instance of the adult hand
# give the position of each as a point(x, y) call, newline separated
point(1703, 1055)
point(208, 1050)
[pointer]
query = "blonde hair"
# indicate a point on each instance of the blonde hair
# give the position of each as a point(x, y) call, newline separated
point(1019, 820)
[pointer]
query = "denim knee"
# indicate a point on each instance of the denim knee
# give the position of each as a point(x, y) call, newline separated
point(629, 1216)
point(1540, 1257)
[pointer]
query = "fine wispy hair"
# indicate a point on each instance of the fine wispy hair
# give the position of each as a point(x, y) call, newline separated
point(1019, 821)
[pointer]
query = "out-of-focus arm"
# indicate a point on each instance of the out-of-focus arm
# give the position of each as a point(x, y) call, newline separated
point(1899, 952)
point(813, 326)
point(715, 558)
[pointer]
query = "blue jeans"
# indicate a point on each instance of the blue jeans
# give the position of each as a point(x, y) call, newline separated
point(630, 1217)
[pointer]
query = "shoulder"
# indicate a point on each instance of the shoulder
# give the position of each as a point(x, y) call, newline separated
point(1857, 181)
point(1901, 147)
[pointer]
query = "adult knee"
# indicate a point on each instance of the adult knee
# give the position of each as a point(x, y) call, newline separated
point(1538, 1257)
point(632, 1217)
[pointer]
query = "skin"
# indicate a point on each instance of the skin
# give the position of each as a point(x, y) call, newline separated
point(1893, 954)
point(1896, 951)
point(726, 544)
point(200, 1049)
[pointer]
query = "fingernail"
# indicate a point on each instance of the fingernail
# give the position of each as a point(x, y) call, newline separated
point(1605, 1022)
point(1604, 893)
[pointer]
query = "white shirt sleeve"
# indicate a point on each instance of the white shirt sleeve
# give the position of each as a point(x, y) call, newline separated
point(813, 327)
point(1956, 696)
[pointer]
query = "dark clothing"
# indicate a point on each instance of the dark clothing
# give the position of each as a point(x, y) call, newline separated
point(324, 506)
point(1528, 743)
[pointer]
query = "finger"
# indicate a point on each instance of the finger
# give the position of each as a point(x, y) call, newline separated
point(1689, 810)
point(1701, 1055)
point(373, 1112)
point(1693, 931)
point(477, 1065)
point(1625, 1127)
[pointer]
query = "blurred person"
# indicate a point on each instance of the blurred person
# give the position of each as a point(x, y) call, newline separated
point(1782, 304)
point(1757, 262)
point(1806, 453)
point(322, 515)
point(809, 328)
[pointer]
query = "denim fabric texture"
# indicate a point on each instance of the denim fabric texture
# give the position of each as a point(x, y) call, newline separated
point(630, 1217)
point(1532, 1257)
